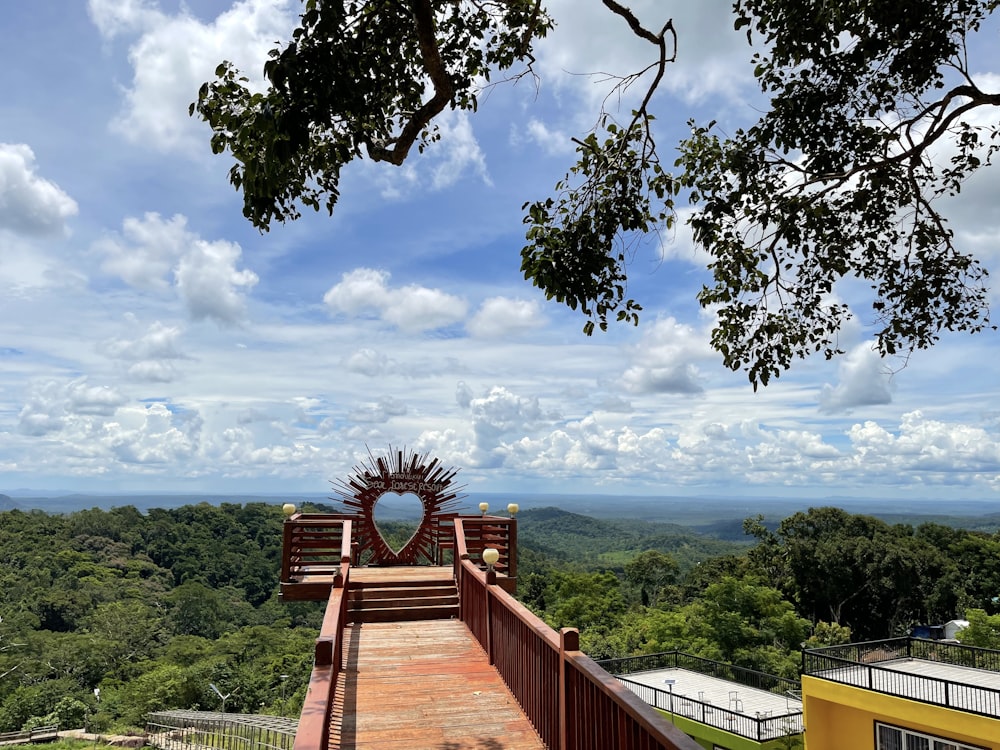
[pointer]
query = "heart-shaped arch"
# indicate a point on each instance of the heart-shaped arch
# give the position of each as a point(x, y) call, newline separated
point(400, 472)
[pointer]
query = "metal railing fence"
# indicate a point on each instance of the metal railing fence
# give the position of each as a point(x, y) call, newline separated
point(863, 665)
point(184, 730)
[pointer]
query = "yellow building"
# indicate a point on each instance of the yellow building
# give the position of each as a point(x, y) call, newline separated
point(901, 694)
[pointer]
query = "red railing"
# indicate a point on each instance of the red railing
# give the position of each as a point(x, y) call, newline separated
point(314, 721)
point(572, 702)
point(479, 533)
point(317, 543)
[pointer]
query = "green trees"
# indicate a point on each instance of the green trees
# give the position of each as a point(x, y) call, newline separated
point(875, 578)
point(821, 577)
point(983, 630)
point(651, 572)
point(739, 621)
point(144, 607)
point(838, 179)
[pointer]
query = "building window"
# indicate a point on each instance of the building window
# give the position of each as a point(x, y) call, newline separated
point(888, 737)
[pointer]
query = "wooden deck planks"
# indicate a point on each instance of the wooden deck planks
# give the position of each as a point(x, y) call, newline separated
point(401, 575)
point(425, 685)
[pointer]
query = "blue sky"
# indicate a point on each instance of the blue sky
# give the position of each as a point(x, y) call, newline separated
point(151, 339)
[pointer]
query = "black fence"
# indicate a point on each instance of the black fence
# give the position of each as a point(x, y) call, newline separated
point(680, 660)
point(753, 727)
point(759, 728)
point(868, 665)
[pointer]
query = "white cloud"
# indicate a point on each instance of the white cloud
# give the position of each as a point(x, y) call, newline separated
point(678, 244)
point(662, 361)
point(26, 269)
point(552, 141)
point(498, 417)
point(204, 274)
point(501, 317)
point(148, 435)
point(51, 405)
point(442, 165)
point(463, 395)
point(174, 55)
point(210, 283)
point(709, 53)
point(367, 362)
point(679, 378)
point(614, 404)
point(149, 357)
point(147, 251)
point(379, 412)
point(864, 381)
point(410, 308)
point(158, 342)
point(114, 17)
point(459, 150)
point(29, 204)
point(931, 447)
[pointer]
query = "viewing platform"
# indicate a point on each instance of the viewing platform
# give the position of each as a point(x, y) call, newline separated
point(434, 656)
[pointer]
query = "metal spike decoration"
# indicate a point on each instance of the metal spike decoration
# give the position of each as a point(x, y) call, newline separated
point(401, 472)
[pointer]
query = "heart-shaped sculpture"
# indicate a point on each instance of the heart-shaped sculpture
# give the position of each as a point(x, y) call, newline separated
point(397, 518)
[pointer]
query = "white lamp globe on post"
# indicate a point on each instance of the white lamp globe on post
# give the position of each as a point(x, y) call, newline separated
point(490, 557)
point(483, 507)
point(288, 509)
point(513, 508)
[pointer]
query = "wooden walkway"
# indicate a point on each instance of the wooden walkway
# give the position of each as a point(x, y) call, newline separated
point(427, 685)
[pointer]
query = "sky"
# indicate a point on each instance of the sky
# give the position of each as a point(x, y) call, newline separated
point(152, 340)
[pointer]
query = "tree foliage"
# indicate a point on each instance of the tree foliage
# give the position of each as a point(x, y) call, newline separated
point(357, 77)
point(150, 616)
point(872, 119)
point(875, 578)
point(840, 179)
point(150, 609)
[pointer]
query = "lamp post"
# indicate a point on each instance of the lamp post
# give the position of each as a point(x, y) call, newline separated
point(221, 696)
point(88, 719)
point(513, 508)
point(670, 688)
point(284, 677)
point(483, 507)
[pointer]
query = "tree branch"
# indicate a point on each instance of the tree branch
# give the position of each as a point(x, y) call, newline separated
point(444, 90)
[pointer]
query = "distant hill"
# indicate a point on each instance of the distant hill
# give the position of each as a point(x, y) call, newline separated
point(8, 503)
point(710, 516)
point(601, 542)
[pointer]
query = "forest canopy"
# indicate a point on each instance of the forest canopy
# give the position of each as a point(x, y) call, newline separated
point(152, 608)
point(876, 113)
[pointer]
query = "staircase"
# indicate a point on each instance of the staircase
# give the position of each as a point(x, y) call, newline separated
point(433, 598)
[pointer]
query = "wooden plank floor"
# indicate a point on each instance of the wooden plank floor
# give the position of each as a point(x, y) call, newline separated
point(401, 574)
point(423, 685)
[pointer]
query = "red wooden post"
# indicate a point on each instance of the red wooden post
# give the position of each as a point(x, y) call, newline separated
point(286, 550)
point(569, 640)
point(491, 580)
point(512, 548)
